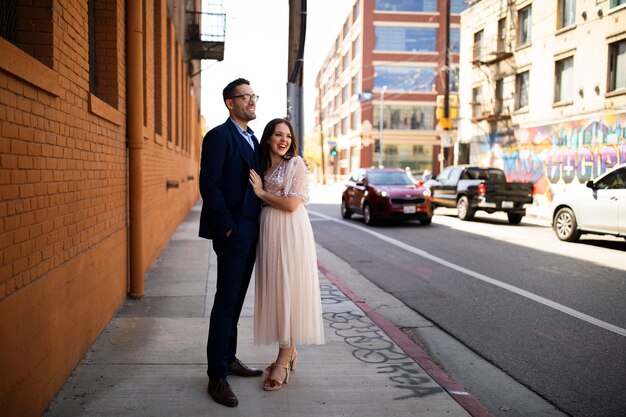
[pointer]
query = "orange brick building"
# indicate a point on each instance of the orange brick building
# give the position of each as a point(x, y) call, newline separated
point(100, 134)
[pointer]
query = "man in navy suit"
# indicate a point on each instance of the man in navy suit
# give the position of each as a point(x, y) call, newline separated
point(230, 217)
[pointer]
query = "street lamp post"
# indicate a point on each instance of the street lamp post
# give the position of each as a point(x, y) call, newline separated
point(380, 126)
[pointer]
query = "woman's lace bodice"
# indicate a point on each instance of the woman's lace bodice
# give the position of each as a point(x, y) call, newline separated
point(290, 178)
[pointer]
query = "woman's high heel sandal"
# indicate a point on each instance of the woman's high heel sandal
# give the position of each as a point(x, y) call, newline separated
point(293, 357)
point(273, 384)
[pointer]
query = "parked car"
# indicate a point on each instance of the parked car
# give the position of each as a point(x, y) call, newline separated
point(471, 188)
point(385, 193)
point(599, 207)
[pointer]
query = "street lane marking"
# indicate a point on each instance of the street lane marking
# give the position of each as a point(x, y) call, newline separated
point(531, 296)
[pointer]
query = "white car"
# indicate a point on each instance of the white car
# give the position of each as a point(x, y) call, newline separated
point(598, 208)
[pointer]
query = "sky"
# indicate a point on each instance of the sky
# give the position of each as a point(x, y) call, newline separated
point(256, 49)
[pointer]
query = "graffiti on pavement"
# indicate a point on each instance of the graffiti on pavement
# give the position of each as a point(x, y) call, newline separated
point(372, 346)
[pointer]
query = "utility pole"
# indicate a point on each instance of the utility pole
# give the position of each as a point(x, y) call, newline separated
point(295, 60)
point(446, 74)
point(321, 132)
point(446, 87)
point(381, 126)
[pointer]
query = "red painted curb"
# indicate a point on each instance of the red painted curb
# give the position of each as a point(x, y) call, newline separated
point(458, 393)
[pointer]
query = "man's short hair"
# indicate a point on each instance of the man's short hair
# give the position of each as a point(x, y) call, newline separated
point(230, 88)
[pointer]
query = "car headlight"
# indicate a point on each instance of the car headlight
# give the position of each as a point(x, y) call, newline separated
point(426, 192)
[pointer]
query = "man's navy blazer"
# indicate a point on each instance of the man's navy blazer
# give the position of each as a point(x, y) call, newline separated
point(224, 181)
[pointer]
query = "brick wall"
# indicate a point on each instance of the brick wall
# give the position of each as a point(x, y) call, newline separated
point(64, 189)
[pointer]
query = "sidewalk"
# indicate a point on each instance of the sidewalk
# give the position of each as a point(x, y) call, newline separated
point(150, 360)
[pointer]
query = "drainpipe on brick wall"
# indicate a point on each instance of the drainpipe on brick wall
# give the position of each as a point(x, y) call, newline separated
point(134, 126)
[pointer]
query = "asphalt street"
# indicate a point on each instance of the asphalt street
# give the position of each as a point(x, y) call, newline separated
point(550, 314)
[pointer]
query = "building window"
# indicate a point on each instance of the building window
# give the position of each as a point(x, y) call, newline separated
point(346, 61)
point(455, 40)
point(566, 13)
point(405, 39)
point(28, 27)
point(616, 3)
point(499, 96)
point(344, 125)
point(144, 60)
point(355, 84)
point(563, 79)
point(477, 102)
point(502, 35)
point(346, 28)
point(177, 93)
point(345, 93)
point(355, 120)
point(355, 48)
point(158, 65)
point(407, 5)
point(523, 24)
point(404, 78)
point(416, 158)
point(617, 65)
point(521, 88)
point(356, 10)
point(478, 45)
point(458, 6)
point(391, 150)
point(8, 24)
point(405, 117)
point(168, 78)
point(102, 19)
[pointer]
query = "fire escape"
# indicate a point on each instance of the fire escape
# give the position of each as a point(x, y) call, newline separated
point(206, 33)
point(494, 58)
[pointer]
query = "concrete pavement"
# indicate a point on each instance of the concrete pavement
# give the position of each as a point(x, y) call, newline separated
point(150, 360)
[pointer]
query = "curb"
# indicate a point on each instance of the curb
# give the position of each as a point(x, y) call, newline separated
point(458, 393)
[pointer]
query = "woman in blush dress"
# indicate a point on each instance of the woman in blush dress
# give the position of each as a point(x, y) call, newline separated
point(287, 307)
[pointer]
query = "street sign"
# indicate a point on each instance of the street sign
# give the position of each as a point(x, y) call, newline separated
point(331, 142)
point(365, 96)
point(446, 140)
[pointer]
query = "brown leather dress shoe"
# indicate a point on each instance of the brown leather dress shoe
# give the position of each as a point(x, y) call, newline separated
point(221, 392)
point(241, 369)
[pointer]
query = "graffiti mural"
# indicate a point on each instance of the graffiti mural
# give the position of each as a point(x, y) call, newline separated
point(562, 154)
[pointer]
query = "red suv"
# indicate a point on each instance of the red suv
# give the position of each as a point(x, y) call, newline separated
point(390, 193)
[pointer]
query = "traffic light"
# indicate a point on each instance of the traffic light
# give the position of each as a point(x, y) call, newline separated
point(453, 110)
point(376, 145)
point(333, 151)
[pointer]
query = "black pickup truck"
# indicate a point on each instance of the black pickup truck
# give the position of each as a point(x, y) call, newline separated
point(471, 188)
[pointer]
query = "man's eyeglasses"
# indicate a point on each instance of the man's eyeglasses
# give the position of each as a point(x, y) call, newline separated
point(247, 97)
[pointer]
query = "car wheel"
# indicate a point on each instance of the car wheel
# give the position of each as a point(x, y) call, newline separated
point(465, 211)
point(345, 210)
point(426, 221)
point(565, 225)
point(514, 218)
point(368, 218)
